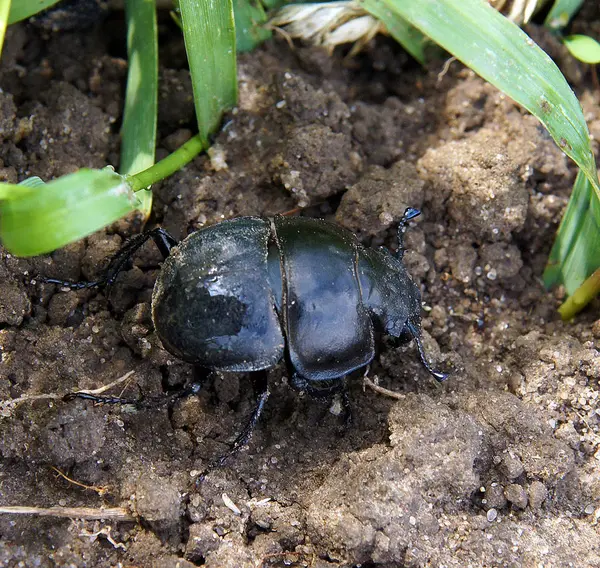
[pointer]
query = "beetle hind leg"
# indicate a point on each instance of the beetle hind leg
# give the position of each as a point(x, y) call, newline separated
point(416, 335)
point(141, 402)
point(164, 241)
point(261, 386)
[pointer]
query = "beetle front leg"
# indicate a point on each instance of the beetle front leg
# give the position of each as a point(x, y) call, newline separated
point(163, 240)
point(413, 329)
point(409, 213)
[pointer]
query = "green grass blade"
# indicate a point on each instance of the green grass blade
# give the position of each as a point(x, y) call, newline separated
point(209, 34)
point(504, 55)
point(409, 37)
point(4, 12)
point(67, 209)
point(576, 251)
point(138, 133)
point(168, 165)
point(23, 9)
point(581, 297)
point(561, 13)
point(249, 19)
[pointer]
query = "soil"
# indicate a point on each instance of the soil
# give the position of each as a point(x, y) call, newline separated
point(497, 467)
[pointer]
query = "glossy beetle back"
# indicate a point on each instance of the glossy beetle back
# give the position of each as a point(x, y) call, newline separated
point(212, 303)
point(328, 329)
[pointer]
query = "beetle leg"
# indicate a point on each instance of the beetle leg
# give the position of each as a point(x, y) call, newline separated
point(348, 418)
point(333, 387)
point(140, 402)
point(201, 375)
point(102, 399)
point(260, 383)
point(164, 241)
point(414, 330)
point(409, 213)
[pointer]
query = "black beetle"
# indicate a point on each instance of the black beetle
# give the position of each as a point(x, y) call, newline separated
point(246, 293)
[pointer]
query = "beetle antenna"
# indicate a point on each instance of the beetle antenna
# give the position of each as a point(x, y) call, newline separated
point(409, 213)
point(438, 375)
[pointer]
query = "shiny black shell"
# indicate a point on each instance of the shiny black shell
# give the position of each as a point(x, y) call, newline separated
point(236, 295)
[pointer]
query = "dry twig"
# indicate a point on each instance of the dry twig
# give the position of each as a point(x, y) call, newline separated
point(116, 513)
point(381, 390)
point(100, 390)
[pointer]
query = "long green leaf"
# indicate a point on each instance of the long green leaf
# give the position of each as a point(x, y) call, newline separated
point(209, 34)
point(138, 133)
point(23, 9)
point(410, 38)
point(561, 13)
point(576, 251)
point(64, 210)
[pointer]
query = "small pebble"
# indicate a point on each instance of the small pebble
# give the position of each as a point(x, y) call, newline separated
point(537, 494)
point(492, 515)
point(517, 495)
point(230, 504)
point(589, 509)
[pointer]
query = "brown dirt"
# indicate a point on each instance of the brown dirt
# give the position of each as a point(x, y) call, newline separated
point(499, 467)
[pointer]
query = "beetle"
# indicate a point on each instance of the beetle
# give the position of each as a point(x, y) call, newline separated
point(242, 295)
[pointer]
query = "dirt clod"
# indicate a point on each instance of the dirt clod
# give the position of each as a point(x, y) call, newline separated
point(158, 503)
point(14, 302)
point(379, 198)
point(481, 184)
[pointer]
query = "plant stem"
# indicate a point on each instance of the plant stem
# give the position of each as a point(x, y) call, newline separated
point(581, 297)
point(167, 166)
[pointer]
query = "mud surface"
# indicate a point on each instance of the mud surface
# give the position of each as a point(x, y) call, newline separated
point(498, 467)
